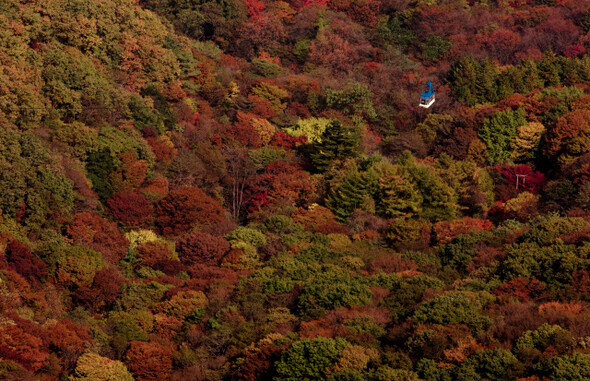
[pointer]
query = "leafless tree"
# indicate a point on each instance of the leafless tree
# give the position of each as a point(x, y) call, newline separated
point(240, 170)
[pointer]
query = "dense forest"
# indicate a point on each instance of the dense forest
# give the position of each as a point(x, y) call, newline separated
point(248, 190)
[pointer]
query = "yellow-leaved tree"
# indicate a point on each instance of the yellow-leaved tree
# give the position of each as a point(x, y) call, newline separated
point(527, 140)
point(91, 366)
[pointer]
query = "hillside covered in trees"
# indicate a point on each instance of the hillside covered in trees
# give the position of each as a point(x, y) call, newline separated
point(248, 190)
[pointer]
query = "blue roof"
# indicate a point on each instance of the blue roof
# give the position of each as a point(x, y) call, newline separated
point(430, 92)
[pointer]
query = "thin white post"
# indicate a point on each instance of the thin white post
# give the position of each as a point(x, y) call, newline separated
point(518, 177)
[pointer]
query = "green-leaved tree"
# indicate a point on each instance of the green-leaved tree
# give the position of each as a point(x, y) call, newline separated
point(499, 131)
point(338, 142)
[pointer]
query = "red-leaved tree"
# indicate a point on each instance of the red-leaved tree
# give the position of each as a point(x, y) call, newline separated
point(200, 247)
point(130, 208)
point(162, 148)
point(523, 289)
point(24, 262)
point(68, 340)
point(105, 290)
point(518, 178)
point(91, 230)
point(445, 231)
point(152, 252)
point(243, 131)
point(186, 207)
point(284, 140)
point(149, 361)
point(24, 346)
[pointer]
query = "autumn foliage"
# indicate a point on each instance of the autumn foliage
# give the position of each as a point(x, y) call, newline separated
point(98, 233)
point(149, 361)
point(131, 208)
point(245, 190)
point(184, 208)
point(199, 247)
point(24, 262)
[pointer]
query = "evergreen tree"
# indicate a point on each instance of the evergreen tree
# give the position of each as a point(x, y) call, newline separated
point(499, 131)
point(395, 195)
point(439, 200)
point(354, 99)
point(508, 80)
point(529, 72)
point(585, 21)
point(100, 165)
point(569, 71)
point(485, 83)
point(549, 69)
point(337, 142)
point(349, 195)
point(462, 78)
point(584, 68)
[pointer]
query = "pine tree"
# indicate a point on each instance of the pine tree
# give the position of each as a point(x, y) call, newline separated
point(395, 195)
point(438, 201)
point(485, 84)
point(337, 142)
point(584, 68)
point(100, 165)
point(462, 77)
point(549, 69)
point(585, 21)
point(508, 80)
point(499, 131)
point(529, 73)
point(569, 71)
point(349, 195)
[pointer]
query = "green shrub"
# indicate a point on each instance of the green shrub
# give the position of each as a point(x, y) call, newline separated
point(131, 325)
point(545, 336)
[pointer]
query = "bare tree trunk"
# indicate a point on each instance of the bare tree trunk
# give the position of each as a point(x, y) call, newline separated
point(241, 170)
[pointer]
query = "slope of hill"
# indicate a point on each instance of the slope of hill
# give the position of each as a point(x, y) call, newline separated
point(248, 190)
